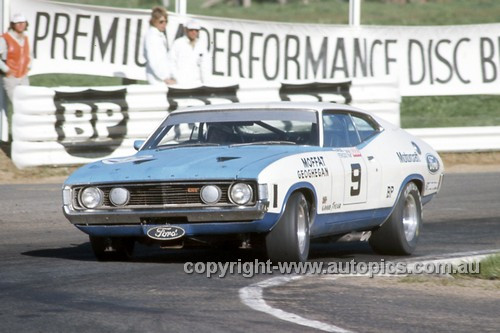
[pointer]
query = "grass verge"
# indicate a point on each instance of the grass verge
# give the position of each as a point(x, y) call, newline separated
point(488, 276)
point(489, 269)
point(450, 111)
point(376, 12)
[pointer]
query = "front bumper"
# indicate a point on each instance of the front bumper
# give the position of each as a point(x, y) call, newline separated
point(181, 215)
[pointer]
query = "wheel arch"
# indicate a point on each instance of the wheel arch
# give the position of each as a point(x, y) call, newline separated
point(311, 200)
point(307, 189)
point(418, 180)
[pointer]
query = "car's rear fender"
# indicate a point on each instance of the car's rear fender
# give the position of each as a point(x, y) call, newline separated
point(415, 178)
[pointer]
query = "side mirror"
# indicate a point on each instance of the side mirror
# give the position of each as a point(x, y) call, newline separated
point(138, 144)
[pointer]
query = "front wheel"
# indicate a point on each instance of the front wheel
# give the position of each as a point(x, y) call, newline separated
point(400, 233)
point(289, 240)
point(112, 248)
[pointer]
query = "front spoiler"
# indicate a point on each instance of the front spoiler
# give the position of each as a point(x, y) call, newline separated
point(191, 229)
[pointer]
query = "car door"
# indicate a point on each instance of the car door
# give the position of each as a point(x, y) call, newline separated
point(367, 129)
point(339, 133)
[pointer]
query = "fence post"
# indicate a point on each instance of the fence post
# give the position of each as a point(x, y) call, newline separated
point(181, 7)
point(354, 13)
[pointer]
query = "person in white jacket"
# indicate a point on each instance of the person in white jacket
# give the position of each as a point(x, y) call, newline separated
point(190, 57)
point(158, 65)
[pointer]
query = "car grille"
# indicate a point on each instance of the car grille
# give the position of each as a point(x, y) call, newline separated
point(161, 195)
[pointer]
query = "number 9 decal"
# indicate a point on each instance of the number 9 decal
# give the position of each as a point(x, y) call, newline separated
point(355, 179)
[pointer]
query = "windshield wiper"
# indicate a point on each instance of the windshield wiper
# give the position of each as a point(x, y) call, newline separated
point(264, 143)
point(199, 144)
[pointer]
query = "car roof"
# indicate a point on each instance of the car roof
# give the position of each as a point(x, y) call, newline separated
point(314, 106)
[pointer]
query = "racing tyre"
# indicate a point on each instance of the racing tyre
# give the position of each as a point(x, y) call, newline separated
point(400, 233)
point(112, 248)
point(289, 240)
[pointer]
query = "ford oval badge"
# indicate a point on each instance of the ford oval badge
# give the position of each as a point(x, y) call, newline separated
point(166, 232)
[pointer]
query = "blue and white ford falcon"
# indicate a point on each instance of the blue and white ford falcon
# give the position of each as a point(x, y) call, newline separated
point(271, 175)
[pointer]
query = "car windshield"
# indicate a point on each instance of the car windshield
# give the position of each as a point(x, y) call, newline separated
point(236, 127)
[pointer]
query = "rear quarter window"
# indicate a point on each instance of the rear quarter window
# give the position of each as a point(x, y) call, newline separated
point(366, 127)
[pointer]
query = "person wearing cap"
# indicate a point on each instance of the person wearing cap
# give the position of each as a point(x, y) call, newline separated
point(189, 57)
point(158, 69)
point(15, 55)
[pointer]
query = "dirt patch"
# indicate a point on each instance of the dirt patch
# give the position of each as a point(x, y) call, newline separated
point(478, 287)
point(435, 285)
point(10, 174)
point(425, 284)
point(453, 162)
point(471, 162)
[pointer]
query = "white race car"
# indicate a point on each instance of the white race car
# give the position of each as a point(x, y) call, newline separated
point(275, 175)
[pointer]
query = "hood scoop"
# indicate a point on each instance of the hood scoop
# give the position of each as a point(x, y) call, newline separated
point(226, 158)
point(130, 159)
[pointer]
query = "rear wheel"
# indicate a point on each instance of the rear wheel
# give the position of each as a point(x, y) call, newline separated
point(112, 248)
point(400, 233)
point(289, 240)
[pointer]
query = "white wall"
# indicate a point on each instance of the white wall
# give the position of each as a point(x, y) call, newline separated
point(77, 125)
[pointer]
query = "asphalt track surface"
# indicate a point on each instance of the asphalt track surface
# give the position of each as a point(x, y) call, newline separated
point(50, 281)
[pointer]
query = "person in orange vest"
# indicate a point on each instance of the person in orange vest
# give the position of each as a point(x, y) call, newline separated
point(15, 55)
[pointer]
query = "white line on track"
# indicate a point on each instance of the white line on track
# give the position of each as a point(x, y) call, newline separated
point(252, 295)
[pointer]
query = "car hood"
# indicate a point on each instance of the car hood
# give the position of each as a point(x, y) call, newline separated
point(190, 163)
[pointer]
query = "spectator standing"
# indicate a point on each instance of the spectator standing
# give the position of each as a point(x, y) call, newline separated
point(15, 62)
point(15, 55)
point(189, 57)
point(158, 70)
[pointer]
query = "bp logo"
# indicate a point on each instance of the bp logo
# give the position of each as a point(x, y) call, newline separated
point(91, 123)
point(432, 163)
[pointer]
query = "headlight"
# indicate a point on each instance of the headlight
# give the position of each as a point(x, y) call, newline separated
point(91, 197)
point(240, 193)
point(210, 194)
point(119, 196)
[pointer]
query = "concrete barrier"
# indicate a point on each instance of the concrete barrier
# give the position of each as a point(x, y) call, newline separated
point(76, 125)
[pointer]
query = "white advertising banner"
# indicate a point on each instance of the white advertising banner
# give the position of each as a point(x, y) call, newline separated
point(428, 60)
